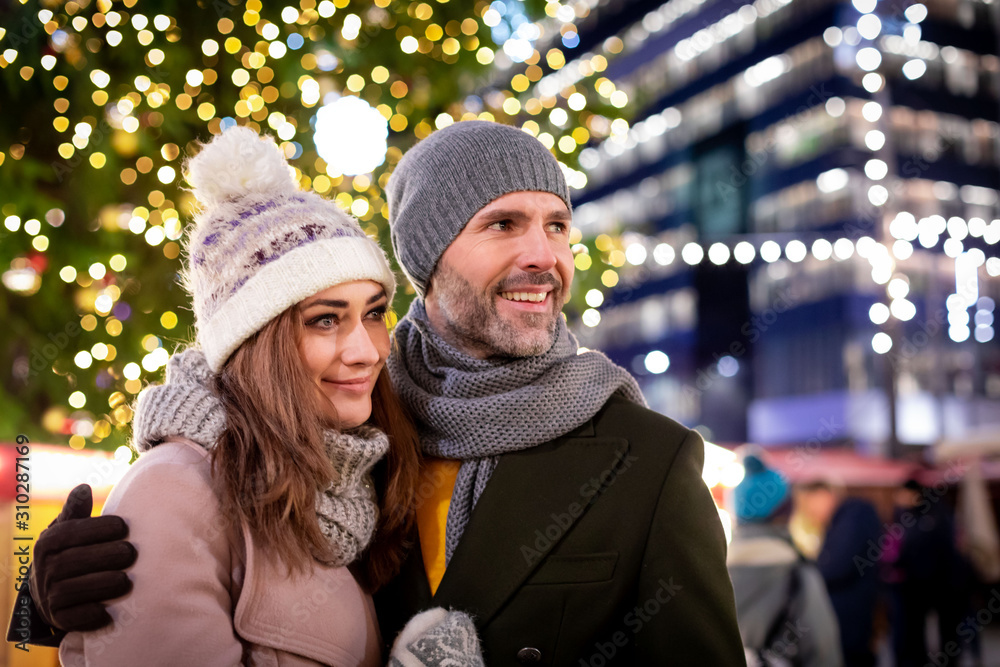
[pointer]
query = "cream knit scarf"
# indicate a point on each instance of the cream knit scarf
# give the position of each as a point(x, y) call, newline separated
point(474, 410)
point(187, 406)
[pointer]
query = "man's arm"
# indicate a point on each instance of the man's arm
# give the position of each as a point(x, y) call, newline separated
point(78, 563)
point(684, 578)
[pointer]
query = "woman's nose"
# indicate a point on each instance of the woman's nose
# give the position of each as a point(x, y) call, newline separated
point(358, 347)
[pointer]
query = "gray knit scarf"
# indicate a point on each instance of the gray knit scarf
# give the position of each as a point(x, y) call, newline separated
point(474, 410)
point(187, 406)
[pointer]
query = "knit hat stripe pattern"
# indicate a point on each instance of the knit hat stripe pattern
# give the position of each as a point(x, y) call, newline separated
point(256, 240)
point(260, 244)
point(443, 181)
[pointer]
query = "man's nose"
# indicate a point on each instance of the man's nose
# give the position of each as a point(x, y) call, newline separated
point(536, 252)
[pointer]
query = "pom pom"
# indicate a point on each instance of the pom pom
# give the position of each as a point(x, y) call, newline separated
point(236, 163)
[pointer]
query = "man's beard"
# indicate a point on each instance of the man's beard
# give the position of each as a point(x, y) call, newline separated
point(473, 321)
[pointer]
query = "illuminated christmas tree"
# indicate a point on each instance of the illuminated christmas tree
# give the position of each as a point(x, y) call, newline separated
point(102, 101)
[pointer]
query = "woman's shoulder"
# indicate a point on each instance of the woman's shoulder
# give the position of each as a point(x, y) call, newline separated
point(177, 471)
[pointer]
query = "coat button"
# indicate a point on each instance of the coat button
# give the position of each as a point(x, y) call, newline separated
point(529, 655)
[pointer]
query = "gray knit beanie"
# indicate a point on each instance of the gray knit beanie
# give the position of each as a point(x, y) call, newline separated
point(445, 179)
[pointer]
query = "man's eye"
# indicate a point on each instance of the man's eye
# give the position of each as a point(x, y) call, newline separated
point(558, 227)
point(500, 225)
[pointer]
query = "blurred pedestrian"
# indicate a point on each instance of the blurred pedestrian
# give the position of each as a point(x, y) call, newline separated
point(850, 526)
point(782, 606)
point(924, 573)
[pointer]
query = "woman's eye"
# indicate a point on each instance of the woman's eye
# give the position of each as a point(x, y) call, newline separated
point(377, 313)
point(323, 321)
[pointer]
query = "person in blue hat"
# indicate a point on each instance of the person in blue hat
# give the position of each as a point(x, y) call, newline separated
point(782, 605)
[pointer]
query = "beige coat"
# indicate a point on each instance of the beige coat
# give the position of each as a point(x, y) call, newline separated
point(203, 599)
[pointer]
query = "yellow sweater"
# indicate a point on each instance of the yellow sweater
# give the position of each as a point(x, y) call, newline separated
point(437, 481)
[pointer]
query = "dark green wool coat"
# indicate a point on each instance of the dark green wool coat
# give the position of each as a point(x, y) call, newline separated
point(602, 547)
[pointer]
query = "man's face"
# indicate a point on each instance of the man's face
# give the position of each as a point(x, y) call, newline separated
point(818, 505)
point(500, 286)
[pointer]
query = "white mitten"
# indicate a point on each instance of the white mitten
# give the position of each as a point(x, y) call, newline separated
point(437, 637)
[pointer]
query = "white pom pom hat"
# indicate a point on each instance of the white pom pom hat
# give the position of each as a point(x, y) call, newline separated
point(260, 244)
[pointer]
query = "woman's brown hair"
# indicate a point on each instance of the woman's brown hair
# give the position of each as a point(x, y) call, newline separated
point(271, 460)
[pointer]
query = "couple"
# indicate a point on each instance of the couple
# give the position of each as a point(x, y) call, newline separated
point(284, 510)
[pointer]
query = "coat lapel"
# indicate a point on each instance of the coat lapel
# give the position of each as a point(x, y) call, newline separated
point(532, 500)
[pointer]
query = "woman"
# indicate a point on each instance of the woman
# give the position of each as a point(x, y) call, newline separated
point(263, 450)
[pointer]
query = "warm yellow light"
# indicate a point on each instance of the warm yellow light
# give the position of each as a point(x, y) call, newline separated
point(511, 106)
point(166, 175)
point(398, 122)
point(555, 58)
point(409, 44)
point(355, 82)
point(434, 32)
point(484, 55)
point(398, 89)
point(77, 399)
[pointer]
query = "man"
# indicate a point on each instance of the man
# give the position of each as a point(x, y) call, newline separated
point(924, 572)
point(851, 526)
point(568, 519)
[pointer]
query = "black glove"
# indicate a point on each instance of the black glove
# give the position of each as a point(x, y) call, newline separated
point(78, 565)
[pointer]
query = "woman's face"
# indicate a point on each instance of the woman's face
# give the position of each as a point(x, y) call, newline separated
point(344, 346)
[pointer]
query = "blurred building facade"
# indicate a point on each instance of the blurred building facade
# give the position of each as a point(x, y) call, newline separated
point(807, 214)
